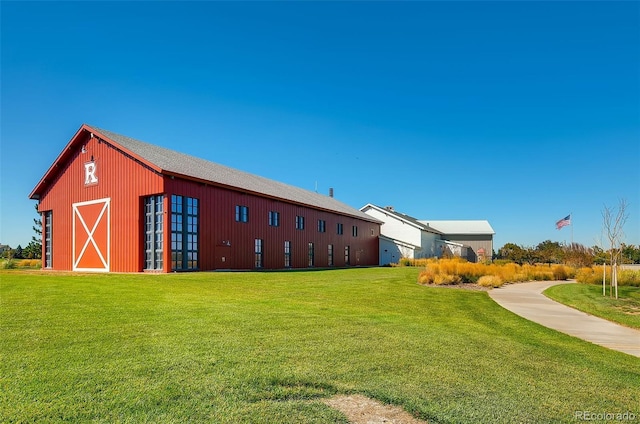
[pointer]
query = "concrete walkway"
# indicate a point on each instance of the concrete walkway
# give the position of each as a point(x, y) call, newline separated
point(527, 300)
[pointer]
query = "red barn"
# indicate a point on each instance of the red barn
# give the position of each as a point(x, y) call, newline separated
point(113, 203)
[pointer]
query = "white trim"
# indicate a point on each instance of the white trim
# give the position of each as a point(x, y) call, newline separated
point(105, 209)
point(392, 214)
point(401, 243)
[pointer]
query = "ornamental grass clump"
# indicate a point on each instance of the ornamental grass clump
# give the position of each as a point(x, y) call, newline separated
point(561, 272)
point(629, 278)
point(440, 271)
point(446, 279)
point(490, 281)
point(593, 275)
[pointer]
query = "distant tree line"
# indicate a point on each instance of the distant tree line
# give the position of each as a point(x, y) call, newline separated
point(574, 254)
point(33, 249)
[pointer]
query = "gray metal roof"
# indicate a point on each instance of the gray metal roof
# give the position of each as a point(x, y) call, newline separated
point(173, 162)
point(461, 227)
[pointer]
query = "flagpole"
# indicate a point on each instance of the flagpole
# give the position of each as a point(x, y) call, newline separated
point(571, 218)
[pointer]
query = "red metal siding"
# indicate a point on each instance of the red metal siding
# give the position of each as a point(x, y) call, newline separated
point(223, 242)
point(121, 179)
point(218, 225)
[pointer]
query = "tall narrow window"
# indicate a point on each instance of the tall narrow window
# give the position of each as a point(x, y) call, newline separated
point(242, 213)
point(330, 255)
point(274, 218)
point(48, 227)
point(154, 229)
point(258, 252)
point(184, 233)
point(347, 255)
point(322, 225)
point(311, 254)
point(354, 231)
point(340, 229)
point(287, 254)
point(299, 222)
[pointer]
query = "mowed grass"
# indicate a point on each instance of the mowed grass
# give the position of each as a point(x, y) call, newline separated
point(588, 298)
point(265, 347)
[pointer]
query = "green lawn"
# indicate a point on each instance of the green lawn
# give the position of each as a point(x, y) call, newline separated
point(264, 347)
point(588, 298)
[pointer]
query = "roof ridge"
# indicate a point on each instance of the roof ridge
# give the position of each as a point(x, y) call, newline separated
point(179, 163)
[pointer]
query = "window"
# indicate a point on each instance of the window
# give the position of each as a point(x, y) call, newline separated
point(274, 219)
point(322, 226)
point(346, 255)
point(242, 213)
point(311, 254)
point(153, 232)
point(184, 233)
point(48, 226)
point(299, 222)
point(340, 229)
point(330, 254)
point(258, 251)
point(354, 231)
point(287, 254)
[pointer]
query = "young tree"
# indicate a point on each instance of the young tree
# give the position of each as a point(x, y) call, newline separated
point(630, 254)
point(613, 221)
point(515, 253)
point(549, 252)
point(35, 247)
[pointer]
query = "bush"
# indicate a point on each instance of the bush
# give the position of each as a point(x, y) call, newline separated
point(30, 263)
point(490, 281)
point(586, 275)
point(21, 263)
point(467, 272)
point(629, 278)
point(426, 277)
point(446, 279)
point(9, 264)
point(413, 262)
point(560, 272)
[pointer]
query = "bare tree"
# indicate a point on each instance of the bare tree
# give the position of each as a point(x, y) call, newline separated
point(613, 224)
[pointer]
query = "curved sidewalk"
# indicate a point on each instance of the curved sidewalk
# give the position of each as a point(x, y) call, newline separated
point(527, 300)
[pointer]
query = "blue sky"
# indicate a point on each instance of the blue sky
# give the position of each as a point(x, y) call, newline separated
point(515, 112)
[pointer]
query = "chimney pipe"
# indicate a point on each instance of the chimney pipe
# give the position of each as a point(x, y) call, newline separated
point(330, 191)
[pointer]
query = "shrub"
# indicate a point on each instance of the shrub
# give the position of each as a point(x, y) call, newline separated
point(413, 262)
point(446, 279)
point(9, 264)
point(29, 263)
point(629, 278)
point(467, 272)
point(560, 272)
point(490, 281)
point(587, 275)
point(404, 262)
point(426, 277)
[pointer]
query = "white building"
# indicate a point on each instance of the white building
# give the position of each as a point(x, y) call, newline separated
point(402, 236)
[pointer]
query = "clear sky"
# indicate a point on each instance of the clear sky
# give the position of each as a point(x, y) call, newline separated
point(514, 112)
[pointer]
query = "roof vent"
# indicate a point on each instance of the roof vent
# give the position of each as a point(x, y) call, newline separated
point(389, 208)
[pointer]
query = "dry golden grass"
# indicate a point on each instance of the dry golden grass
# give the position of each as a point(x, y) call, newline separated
point(457, 270)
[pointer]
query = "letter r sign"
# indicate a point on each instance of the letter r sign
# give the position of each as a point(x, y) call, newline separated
point(90, 173)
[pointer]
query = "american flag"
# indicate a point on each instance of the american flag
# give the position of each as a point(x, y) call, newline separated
point(563, 222)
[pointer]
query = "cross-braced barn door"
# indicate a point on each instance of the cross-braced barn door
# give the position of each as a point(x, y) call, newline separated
point(91, 235)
